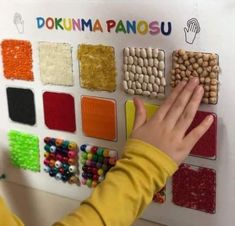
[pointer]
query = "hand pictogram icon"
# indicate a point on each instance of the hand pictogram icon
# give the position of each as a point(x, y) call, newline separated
point(191, 31)
point(19, 23)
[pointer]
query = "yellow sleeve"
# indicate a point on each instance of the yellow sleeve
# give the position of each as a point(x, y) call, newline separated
point(6, 217)
point(127, 189)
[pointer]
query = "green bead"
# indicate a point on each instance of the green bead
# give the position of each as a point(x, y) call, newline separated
point(55, 170)
point(65, 144)
point(65, 166)
point(47, 147)
point(83, 161)
point(100, 151)
point(101, 159)
point(95, 157)
point(84, 155)
point(89, 182)
point(104, 167)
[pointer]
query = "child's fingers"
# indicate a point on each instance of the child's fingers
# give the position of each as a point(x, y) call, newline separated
point(181, 102)
point(192, 138)
point(165, 107)
point(188, 115)
point(140, 113)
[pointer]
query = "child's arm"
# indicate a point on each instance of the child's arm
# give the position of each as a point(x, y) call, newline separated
point(149, 158)
point(143, 169)
point(127, 189)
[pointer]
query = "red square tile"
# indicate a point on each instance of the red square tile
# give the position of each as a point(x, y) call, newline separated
point(59, 111)
point(207, 146)
point(195, 188)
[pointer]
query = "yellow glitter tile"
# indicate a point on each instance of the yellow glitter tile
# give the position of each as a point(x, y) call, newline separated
point(97, 67)
point(130, 114)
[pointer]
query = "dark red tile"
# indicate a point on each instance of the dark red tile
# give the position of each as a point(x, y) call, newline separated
point(59, 111)
point(195, 187)
point(207, 146)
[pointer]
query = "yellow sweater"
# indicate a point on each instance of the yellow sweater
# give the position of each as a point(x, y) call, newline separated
point(127, 189)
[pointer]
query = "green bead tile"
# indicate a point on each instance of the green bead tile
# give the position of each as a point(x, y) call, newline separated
point(24, 150)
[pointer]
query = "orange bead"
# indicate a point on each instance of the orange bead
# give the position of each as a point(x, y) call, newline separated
point(106, 153)
point(58, 142)
point(112, 161)
point(71, 161)
point(52, 163)
point(94, 184)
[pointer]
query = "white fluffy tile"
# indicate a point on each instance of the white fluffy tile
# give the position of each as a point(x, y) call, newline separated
point(56, 63)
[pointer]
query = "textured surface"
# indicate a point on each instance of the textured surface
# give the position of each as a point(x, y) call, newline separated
point(144, 72)
point(56, 63)
point(97, 67)
point(99, 118)
point(205, 66)
point(17, 59)
point(61, 160)
point(96, 162)
point(21, 105)
point(195, 187)
point(207, 145)
point(59, 111)
point(24, 150)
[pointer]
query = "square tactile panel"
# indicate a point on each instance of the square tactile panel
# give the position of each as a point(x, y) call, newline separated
point(59, 111)
point(55, 60)
point(144, 72)
point(130, 114)
point(21, 105)
point(97, 67)
point(160, 196)
point(24, 150)
point(99, 118)
point(195, 187)
point(96, 162)
point(17, 59)
point(205, 66)
point(61, 160)
point(207, 146)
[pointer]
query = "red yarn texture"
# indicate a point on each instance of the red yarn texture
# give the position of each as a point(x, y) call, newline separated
point(195, 188)
point(206, 146)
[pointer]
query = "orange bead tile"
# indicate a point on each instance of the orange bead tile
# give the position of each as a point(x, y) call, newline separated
point(17, 59)
point(99, 117)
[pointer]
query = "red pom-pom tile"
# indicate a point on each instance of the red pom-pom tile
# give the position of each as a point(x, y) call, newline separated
point(195, 188)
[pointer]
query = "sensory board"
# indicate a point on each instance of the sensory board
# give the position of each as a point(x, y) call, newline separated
point(68, 72)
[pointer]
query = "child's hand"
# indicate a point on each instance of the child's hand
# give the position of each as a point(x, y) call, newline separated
point(166, 129)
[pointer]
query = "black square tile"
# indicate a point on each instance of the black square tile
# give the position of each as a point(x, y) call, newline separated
point(21, 105)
